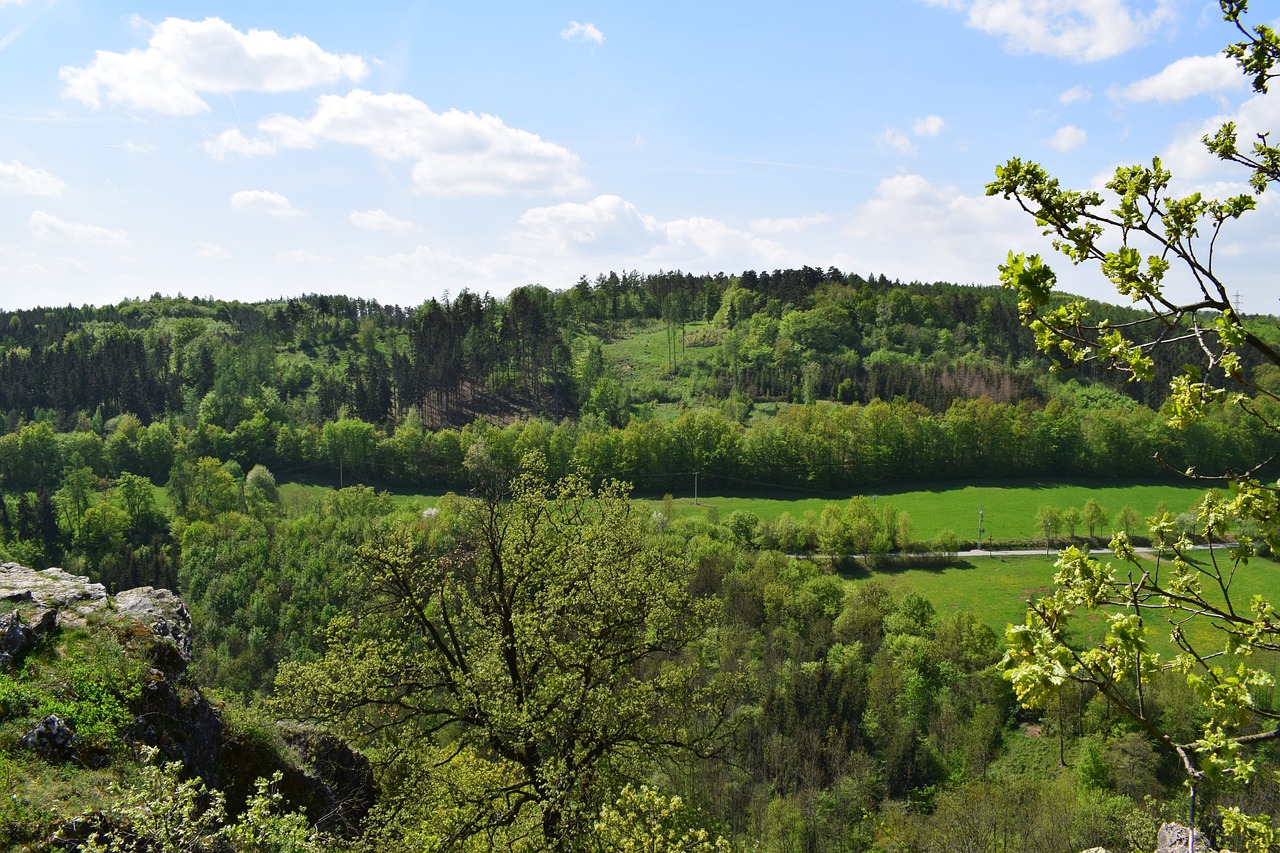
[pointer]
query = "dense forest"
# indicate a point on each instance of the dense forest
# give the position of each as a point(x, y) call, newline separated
point(537, 661)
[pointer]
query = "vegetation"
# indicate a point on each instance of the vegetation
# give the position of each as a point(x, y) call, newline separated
point(533, 659)
point(1230, 712)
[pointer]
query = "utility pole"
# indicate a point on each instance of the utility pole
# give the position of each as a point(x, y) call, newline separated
point(981, 529)
point(695, 488)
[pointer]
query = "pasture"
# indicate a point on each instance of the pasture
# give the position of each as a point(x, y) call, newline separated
point(1008, 506)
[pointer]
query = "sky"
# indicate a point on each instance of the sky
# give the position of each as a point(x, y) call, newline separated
point(404, 151)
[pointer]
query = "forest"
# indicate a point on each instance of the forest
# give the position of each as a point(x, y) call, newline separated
point(539, 662)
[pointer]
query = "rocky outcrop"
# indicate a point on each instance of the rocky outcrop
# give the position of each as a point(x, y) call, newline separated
point(1176, 838)
point(1172, 838)
point(321, 774)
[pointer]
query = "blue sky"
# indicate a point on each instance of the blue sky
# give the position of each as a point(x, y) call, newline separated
point(402, 151)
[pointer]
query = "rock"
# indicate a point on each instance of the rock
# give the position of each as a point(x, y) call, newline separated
point(17, 637)
point(164, 613)
point(71, 595)
point(343, 789)
point(321, 774)
point(53, 738)
point(1174, 838)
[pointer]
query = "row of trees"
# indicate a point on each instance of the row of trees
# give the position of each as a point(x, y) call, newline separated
point(821, 446)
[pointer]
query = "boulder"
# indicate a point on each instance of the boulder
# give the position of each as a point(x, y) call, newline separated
point(53, 738)
point(1175, 838)
point(18, 635)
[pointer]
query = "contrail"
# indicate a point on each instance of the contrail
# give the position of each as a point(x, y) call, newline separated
point(16, 33)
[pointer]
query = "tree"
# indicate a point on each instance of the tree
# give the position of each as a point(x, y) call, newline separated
point(1180, 589)
point(1071, 517)
point(1093, 516)
point(1048, 518)
point(541, 633)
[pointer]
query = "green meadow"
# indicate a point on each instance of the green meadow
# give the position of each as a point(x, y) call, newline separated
point(996, 589)
point(1008, 506)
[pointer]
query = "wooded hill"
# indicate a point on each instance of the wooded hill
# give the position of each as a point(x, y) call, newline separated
point(635, 376)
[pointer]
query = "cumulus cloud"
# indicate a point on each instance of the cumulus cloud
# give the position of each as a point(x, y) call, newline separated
point(17, 178)
point(1076, 95)
point(789, 224)
point(380, 220)
point(606, 224)
point(611, 225)
point(264, 201)
point(453, 153)
point(212, 251)
point(582, 32)
point(928, 126)
point(916, 229)
point(1067, 138)
point(1079, 30)
point(185, 59)
point(47, 227)
point(1187, 158)
point(1186, 78)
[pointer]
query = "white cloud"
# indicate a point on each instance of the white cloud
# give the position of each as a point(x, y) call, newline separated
point(139, 148)
point(380, 220)
point(454, 153)
point(1186, 78)
point(212, 251)
point(1067, 138)
point(1187, 157)
point(915, 229)
point(17, 178)
point(896, 140)
point(606, 224)
point(1080, 30)
point(264, 201)
point(300, 256)
point(1076, 95)
point(582, 32)
point(718, 242)
point(185, 59)
point(49, 228)
point(789, 224)
point(610, 225)
point(928, 126)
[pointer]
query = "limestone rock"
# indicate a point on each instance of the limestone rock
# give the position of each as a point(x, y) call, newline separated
point(53, 738)
point(71, 595)
point(1173, 838)
point(163, 612)
point(19, 635)
point(331, 781)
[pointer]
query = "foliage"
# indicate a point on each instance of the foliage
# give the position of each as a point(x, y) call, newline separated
point(642, 820)
point(541, 629)
point(165, 813)
point(1228, 683)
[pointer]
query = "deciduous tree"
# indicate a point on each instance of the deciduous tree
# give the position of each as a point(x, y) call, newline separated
point(1137, 237)
point(541, 632)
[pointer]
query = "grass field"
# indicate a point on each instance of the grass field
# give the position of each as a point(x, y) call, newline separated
point(996, 589)
point(1009, 506)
